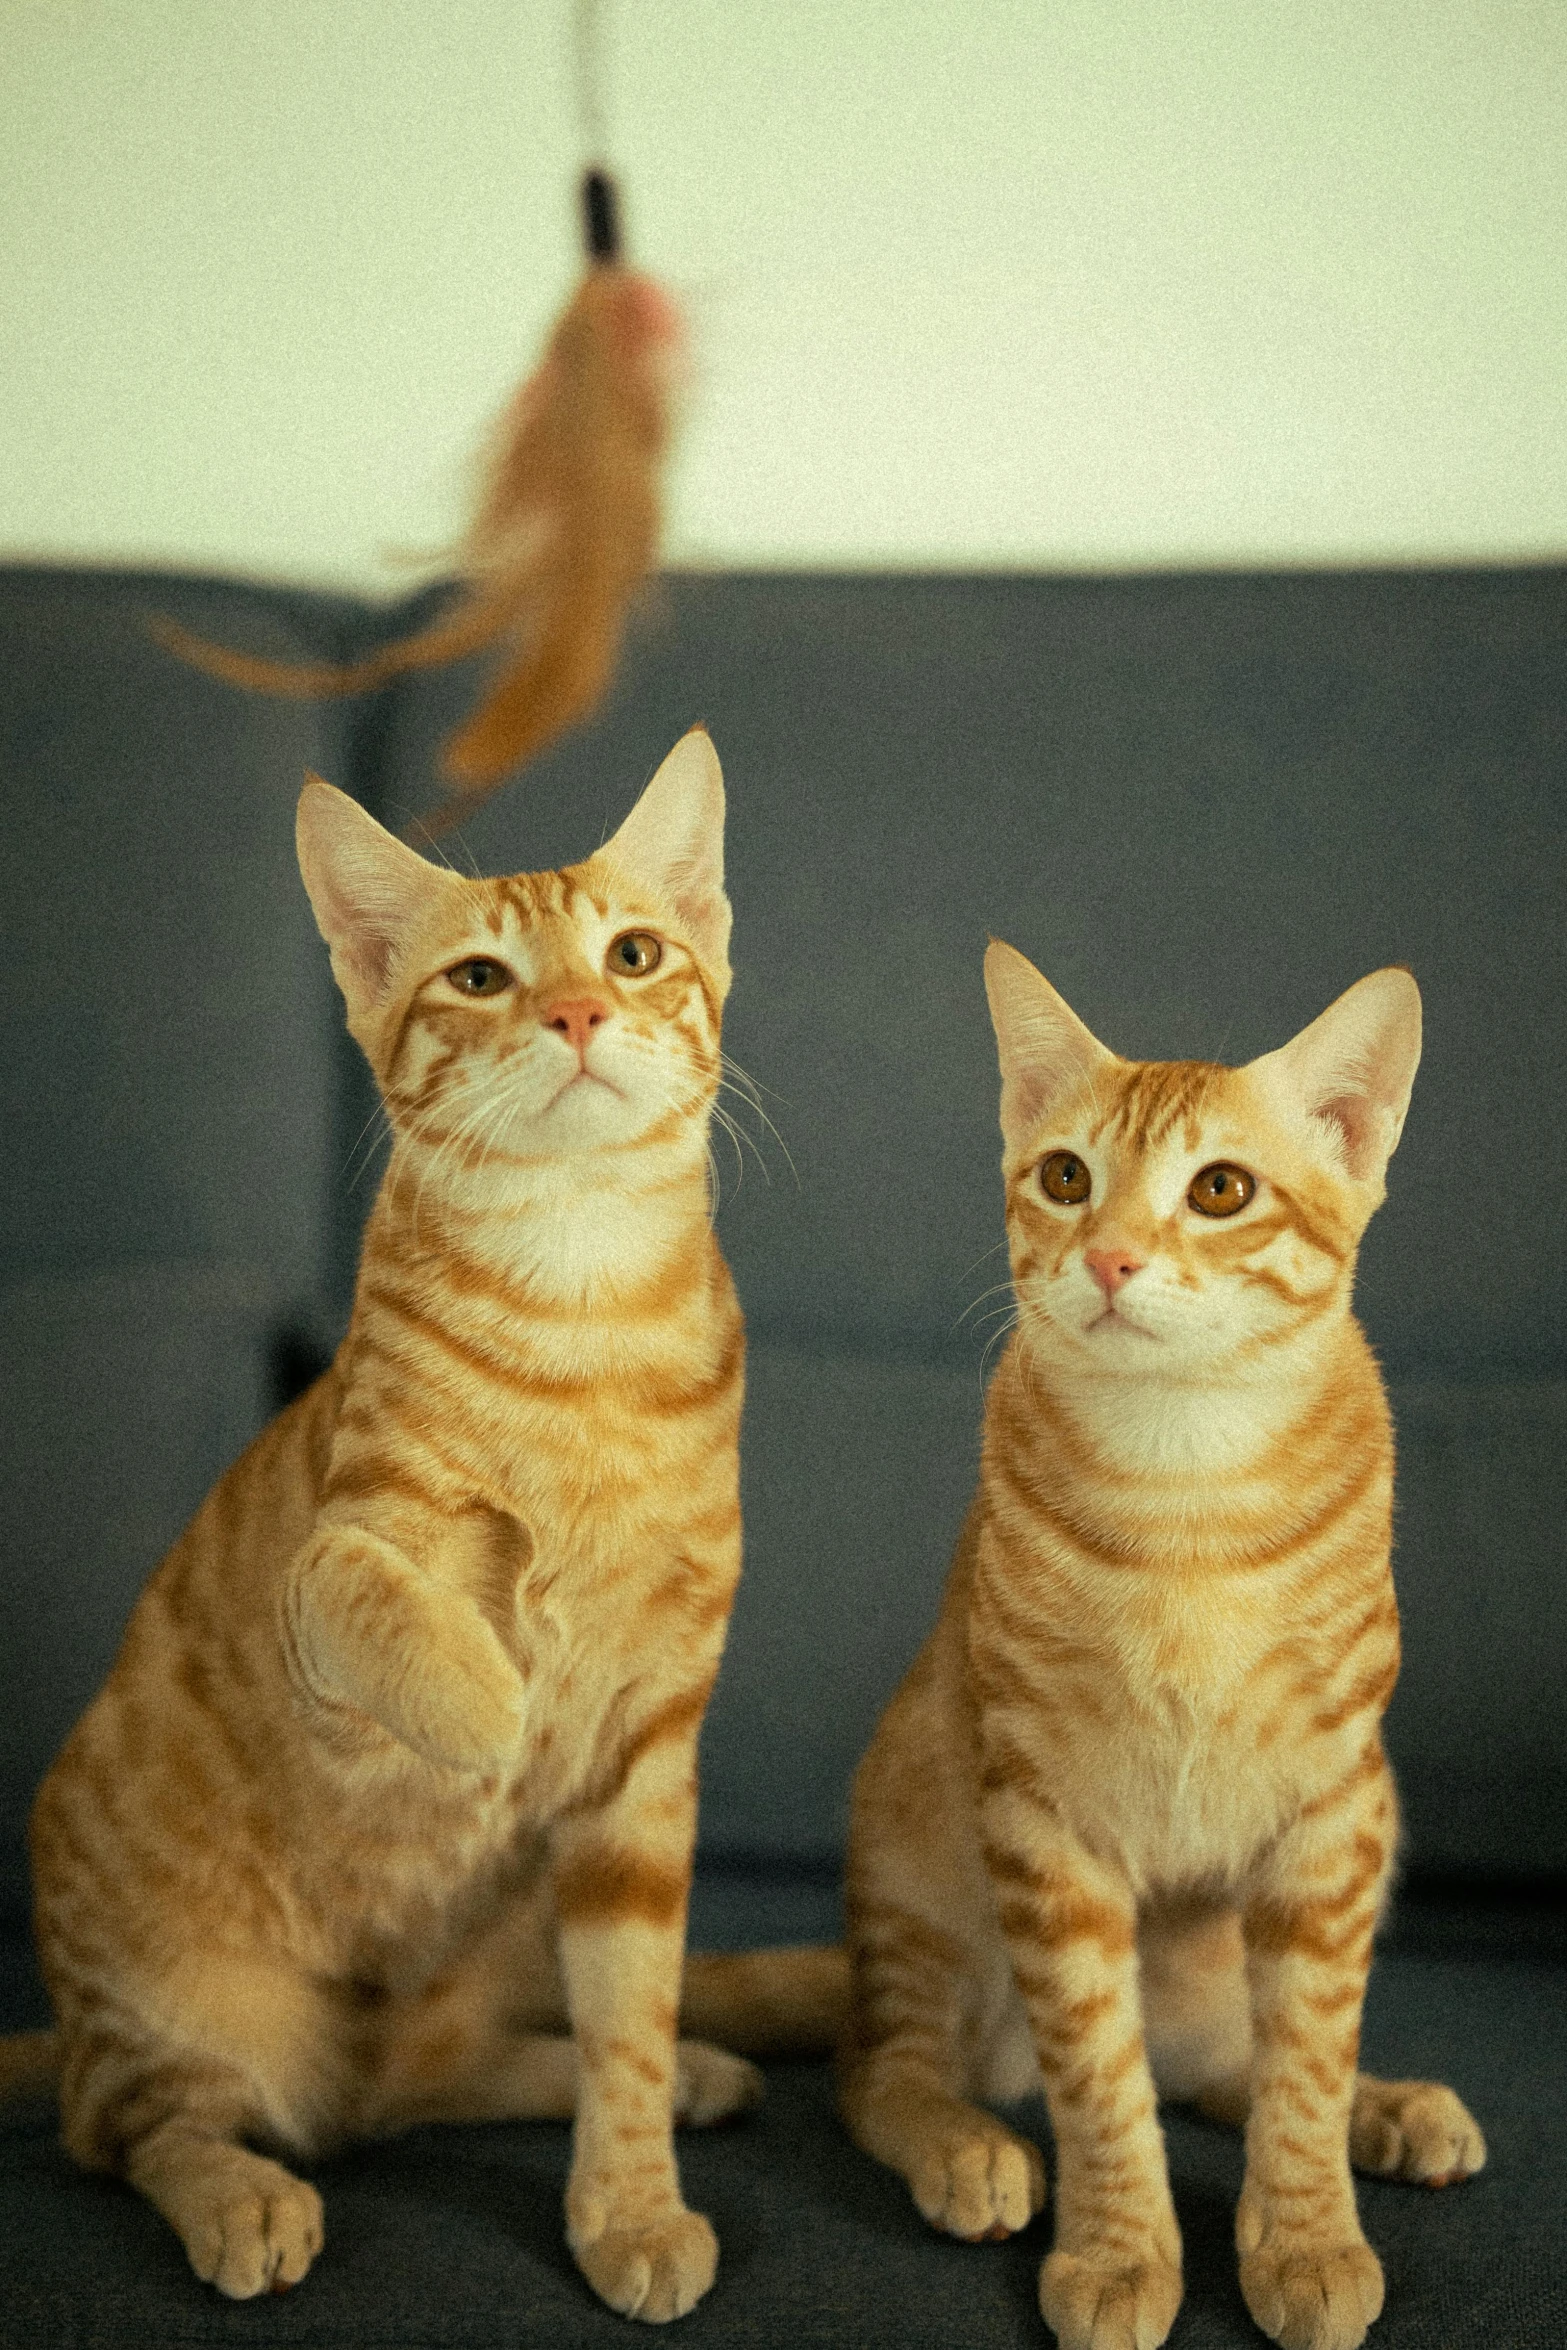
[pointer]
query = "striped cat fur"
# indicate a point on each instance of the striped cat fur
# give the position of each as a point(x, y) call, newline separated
point(396, 1769)
point(1127, 1825)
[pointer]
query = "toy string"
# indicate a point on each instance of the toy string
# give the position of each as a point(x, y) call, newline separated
point(600, 196)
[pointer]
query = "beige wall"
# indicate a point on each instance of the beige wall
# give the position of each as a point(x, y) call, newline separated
point(1080, 282)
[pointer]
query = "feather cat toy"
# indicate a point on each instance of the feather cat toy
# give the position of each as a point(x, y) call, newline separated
point(567, 525)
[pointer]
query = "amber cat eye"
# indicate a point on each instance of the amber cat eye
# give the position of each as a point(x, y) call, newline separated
point(479, 976)
point(634, 954)
point(1063, 1177)
point(1220, 1189)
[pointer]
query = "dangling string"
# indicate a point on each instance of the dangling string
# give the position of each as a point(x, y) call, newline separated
point(567, 527)
point(600, 196)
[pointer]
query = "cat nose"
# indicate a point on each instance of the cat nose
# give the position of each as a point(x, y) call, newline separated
point(575, 1018)
point(1111, 1266)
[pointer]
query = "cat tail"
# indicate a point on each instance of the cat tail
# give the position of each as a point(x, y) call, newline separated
point(29, 2065)
point(789, 2002)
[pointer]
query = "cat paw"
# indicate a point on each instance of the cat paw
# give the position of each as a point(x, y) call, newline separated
point(1320, 2298)
point(257, 2232)
point(1415, 2130)
point(979, 2181)
point(1102, 2304)
point(710, 2084)
point(654, 2272)
point(468, 1717)
point(366, 1629)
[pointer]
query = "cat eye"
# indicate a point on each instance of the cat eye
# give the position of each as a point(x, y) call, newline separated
point(1221, 1189)
point(1063, 1177)
point(634, 954)
point(479, 975)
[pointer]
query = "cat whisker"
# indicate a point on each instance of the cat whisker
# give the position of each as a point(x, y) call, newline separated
point(731, 1068)
point(462, 1135)
point(983, 1254)
point(1026, 1356)
point(750, 1139)
point(375, 1130)
point(506, 1111)
point(745, 1087)
point(495, 1115)
point(741, 1134)
point(996, 1339)
point(997, 1313)
point(737, 1135)
point(489, 1128)
point(996, 1290)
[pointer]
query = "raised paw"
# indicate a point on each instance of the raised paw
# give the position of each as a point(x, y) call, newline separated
point(256, 2231)
point(1100, 2304)
point(1414, 2130)
point(465, 1712)
point(654, 2272)
point(1321, 2298)
point(710, 2084)
point(978, 2180)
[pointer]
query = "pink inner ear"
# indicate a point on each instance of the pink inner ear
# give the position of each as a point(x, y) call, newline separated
point(1351, 1117)
point(360, 925)
point(370, 952)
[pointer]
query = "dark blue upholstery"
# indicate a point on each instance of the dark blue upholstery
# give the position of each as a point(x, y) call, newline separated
point(1204, 806)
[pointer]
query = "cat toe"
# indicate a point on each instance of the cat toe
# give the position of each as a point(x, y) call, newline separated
point(1096, 2304)
point(261, 2239)
point(982, 2184)
point(654, 2273)
point(1414, 2130)
point(1314, 2298)
point(711, 2085)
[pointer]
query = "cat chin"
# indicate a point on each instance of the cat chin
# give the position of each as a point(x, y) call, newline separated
point(1109, 1323)
point(1120, 1348)
point(586, 1087)
point(591, 1114)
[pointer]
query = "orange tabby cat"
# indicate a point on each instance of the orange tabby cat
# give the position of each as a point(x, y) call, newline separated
point(1127, 1825)
point(410, 1712)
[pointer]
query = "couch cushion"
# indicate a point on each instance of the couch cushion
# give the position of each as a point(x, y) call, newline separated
point(169, 1036)
point(1477, 1728)
point(123, 1396)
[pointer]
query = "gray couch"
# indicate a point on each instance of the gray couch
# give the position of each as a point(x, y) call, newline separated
point(1202, 805)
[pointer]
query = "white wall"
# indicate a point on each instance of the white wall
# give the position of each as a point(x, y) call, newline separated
point(1082, 282)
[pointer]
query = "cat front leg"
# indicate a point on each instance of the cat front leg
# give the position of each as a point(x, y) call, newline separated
point(1113, 2280)
point(1310, 2278)
point(622, 1877)
point(923, 1960)
point(364, 1625)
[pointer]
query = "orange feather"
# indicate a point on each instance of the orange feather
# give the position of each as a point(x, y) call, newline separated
point(566, 531)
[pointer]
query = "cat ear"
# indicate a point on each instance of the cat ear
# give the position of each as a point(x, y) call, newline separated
point(367, 890)
point(1045, 1049)
point(672, 845)
point(1351, 1071)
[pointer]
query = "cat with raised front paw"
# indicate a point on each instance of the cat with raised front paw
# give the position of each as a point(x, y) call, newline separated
point(385, 1812)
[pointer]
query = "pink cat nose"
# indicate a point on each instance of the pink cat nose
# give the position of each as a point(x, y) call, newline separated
point(575, 1018)
point(1111, 1266)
